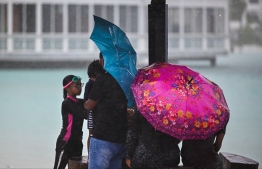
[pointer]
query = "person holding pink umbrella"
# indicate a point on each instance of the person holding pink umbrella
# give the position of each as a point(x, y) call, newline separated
point(203, 153)
point(184, 104)
point(147, 147)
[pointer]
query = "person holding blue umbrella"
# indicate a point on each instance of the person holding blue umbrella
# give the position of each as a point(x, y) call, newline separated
point(108, 103)
point(110, 95)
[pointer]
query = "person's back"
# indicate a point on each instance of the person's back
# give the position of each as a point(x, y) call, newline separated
point(150, 148)
point(199, 153)
point(203, 153)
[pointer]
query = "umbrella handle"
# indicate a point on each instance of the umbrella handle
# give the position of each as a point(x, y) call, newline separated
point(190, 81)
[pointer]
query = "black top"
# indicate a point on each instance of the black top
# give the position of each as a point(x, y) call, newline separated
point(201, 153)
point(153, 140)
point(88, 88)
point(73, 114)
point(110, 114)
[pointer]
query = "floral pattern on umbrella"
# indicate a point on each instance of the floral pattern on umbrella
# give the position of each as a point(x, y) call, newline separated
point(180, 101)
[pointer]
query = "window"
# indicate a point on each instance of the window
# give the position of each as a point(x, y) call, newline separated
point(24, 21)
point(2, 43)
point(215, 43)
point(252, 17)
point(129, 18)
point(52, 18)
point(3, 25)
point(193, 43)
point(3, 18)
point(193, 20)
point(24, 43)
point(173, 42)
point(215, 20)
point(84, 18)
point(52, 22)
point(78, 23)
point(173, 28)
point(173, 20)
point(77, 18)
point(105, 12)
point(24, 18)
point(52, 43)
point(78, 43)
point(145, 19)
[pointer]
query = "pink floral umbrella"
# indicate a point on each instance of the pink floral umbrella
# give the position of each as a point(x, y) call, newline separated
point(180, 101)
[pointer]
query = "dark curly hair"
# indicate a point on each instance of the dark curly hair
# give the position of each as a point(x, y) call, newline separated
point(94, 69)
point(66, 80)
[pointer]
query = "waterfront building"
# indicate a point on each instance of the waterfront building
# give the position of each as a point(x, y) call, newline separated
point(60, 29)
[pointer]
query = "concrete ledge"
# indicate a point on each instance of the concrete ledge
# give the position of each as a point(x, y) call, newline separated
point(233, 161)
point(230, 161)
point(83, 164)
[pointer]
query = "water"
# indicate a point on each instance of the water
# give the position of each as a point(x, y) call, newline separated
point(31, 100)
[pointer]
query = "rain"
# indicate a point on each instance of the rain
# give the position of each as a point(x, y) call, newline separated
point(43, 41)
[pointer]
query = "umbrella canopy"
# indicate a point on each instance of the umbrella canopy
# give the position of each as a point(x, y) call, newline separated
point(180, 101)
point(119, 55)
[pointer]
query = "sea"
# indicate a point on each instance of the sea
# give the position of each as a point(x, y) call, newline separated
point(30, 110)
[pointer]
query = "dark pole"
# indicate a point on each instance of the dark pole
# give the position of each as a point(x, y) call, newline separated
point(157, 31)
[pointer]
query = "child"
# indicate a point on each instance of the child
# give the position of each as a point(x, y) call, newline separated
point(69, 143)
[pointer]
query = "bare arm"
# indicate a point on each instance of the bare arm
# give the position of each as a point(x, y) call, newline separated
point(128, 163)
point(218, 142)
point(90, 104)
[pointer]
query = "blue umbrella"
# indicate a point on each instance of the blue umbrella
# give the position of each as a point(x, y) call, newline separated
point(119, 55)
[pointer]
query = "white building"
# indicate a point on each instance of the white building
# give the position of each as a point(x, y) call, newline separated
point(253, 13)
point(60, 29)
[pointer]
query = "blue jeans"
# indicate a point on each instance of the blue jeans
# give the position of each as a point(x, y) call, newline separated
point(105, 155)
